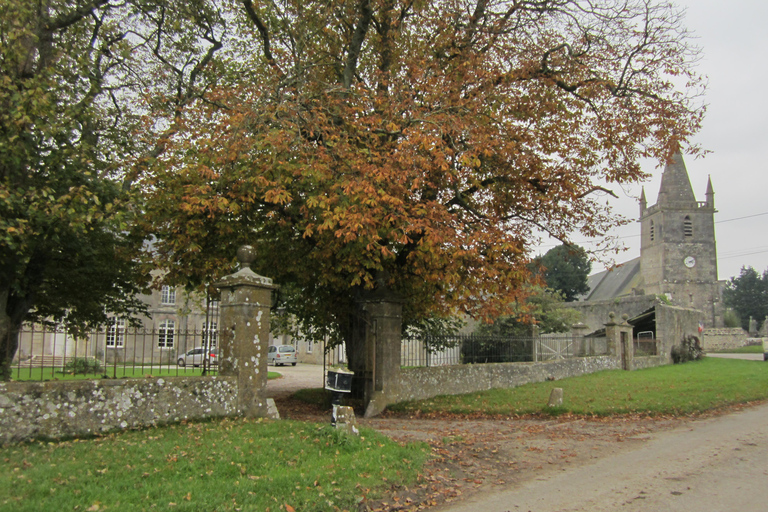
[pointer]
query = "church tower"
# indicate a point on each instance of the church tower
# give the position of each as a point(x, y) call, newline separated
point(678, 255)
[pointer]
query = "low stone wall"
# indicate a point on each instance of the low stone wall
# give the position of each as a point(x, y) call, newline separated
point(60, 409)
point(724, 338)
point(423, 383)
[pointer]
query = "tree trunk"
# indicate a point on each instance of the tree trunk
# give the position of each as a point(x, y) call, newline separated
point(355, 341)
point(9, 337)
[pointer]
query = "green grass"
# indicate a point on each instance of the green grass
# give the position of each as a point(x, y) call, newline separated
point(138, 372)
point(315, 396)
point(217, 465)
point(750, 349)
point(675, 389)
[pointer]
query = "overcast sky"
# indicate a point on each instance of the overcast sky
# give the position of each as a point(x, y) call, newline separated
point(734, 42)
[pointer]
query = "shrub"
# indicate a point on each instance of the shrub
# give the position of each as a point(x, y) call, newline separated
point(688, 350)
point(81, 365)
point(731, 318)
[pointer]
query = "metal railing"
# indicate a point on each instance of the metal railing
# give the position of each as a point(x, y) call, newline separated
point(117, 351)
point(471, 349)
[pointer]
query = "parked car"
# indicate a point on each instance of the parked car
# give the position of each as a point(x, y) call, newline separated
point(196, 357)
point(281, 354)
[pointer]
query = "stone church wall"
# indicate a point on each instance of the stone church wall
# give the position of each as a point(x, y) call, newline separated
point(594, 314)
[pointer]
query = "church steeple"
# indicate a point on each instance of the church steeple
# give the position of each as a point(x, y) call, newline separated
point(675, 184)
point(643, 202)
point(710, 193)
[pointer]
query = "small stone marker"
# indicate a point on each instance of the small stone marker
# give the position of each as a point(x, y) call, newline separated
point(345, 419)
point(556, 398)
point(272, 412)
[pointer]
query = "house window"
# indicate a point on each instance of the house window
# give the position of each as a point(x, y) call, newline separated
point(309, 346)
point(168, 295)
point(653, 234)
point(166, 333)
point(687, 227)
point(210, 334)
point(116, 333)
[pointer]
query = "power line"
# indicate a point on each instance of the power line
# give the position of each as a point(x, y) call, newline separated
point(742, 254)
point(740, 218)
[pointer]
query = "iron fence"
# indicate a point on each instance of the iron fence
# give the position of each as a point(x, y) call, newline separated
point(116, 351)
point(471, 349)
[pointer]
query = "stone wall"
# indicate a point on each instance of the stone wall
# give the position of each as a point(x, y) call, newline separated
point(594, 314)
point(423, 383)
point(725, 338)
point(673, 323)
point(61, 409)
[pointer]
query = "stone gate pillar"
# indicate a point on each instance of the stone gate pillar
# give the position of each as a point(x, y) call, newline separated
point(581, 346)
point(619, 339)
point(384, 318)
point(246, 300)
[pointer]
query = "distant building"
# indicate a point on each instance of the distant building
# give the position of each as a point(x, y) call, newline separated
point(678, 257)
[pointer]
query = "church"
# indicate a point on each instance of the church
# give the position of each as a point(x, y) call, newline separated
point(678, 258)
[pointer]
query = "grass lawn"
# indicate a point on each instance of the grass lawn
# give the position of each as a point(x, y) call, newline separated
point(128, 372)
point(674, 389)
point(218, 465)
point(751, 349)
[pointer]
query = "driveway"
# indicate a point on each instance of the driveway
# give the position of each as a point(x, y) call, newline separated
point(294, 378)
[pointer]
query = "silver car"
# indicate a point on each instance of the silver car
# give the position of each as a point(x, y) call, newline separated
point(281, 354)
point(197, 356)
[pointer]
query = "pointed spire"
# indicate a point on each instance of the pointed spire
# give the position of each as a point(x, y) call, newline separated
point(643, 202)
point(710, 193)
point(675, 185)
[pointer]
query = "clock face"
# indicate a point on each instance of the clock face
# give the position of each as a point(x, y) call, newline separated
point(689, 261)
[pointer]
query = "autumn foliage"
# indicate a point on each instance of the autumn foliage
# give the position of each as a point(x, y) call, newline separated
point(421, 146)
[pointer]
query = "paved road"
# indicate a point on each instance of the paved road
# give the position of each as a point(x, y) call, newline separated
point(713, 465)
point(294, 378)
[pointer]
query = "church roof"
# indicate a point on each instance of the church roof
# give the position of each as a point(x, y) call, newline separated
point(675, 184)
point(614, 282)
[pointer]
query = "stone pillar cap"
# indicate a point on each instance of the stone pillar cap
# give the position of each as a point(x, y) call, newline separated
point(245, 276)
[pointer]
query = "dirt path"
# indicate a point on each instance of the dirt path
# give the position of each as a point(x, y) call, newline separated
point(482, 457)
point(717, 464)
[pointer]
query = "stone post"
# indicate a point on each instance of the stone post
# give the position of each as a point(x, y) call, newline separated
point(246, 300)
point(581, 346)
point(384, 318)
point(535, 341)
point(611, 334)
point(619, 340)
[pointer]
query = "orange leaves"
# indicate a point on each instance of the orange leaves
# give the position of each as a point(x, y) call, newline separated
point(277, 196)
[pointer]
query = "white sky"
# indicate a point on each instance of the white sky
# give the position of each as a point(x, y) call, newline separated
point(734, 42)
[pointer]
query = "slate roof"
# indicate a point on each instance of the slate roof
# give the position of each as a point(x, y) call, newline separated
point(615, 282)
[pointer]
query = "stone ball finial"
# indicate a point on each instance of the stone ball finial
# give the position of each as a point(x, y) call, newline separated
point(611, 315)
point(246, 255)
point(625, 317)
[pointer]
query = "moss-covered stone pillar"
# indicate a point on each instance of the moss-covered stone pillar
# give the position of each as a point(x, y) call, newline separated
point(246, 300)
point(384, 318)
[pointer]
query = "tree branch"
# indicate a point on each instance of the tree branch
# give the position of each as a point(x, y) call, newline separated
point(264, 33)
point(355, 46)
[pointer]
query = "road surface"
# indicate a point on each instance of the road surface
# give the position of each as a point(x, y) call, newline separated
point(718, 464)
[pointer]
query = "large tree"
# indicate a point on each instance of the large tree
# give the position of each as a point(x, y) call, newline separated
point(565, 270)
point(543, 306)
point(748, 295)
point(418, 146)
point(73, 79)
